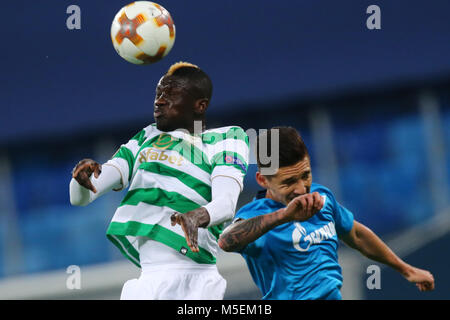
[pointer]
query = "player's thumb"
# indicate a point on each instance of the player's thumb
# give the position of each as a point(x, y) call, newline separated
point(97, 170)
point(174, 219)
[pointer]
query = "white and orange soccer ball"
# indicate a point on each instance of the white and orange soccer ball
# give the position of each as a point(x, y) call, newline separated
point(143, 32)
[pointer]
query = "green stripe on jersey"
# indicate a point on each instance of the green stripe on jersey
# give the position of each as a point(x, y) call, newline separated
point(158, 233)
point(199, 186)
point(159, 197)
point(124, 246)
point(127, 155)
point(140, 137)
point(234, 133)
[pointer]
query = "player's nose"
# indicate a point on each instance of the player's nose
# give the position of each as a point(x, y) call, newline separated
point(160, 102)
point(300, 188)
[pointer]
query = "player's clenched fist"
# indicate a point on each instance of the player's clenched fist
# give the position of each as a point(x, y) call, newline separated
point(83, 171)
point(303, 207)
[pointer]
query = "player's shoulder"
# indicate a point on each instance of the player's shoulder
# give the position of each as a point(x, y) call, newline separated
point(316, 187)
point(324, 191)
point(225, 129)
point(145, 133)
point(215, 135)
point(258, 207)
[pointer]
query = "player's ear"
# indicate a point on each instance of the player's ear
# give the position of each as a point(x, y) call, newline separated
point(262, 180)
point(201, 105)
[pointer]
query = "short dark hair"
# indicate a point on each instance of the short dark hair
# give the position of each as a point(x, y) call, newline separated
point(292, 148)
point(198, 80)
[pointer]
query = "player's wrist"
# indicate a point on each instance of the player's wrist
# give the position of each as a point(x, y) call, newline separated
point(201, 216)
point(281, 216)
point(405, 269)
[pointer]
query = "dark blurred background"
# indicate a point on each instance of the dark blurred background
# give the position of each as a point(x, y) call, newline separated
point(372, 105)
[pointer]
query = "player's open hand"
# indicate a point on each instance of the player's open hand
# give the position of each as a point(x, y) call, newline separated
point(83, 171)
point(304, 207)
point(190, 222)
point(423, 279)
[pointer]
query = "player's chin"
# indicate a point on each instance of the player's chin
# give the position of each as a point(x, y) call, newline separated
point(162, 124)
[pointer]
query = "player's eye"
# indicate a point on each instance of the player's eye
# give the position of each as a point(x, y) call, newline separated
point(166, 93)
point(305, 175)
point(288, 183)
point(162, 93)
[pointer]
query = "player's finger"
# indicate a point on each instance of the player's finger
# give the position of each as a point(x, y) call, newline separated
point(97, 170)
point(309, 204)
point(318, 201)
point(193, 237)
point(82, 167)
point(90, 186)
point(83, 179)
point(302, 204)
point(186, 232)
point(76, 170)
point(174, 219)
point(295, 202)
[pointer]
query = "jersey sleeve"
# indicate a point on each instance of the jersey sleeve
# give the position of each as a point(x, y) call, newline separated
point(230, 153)
point(125, 158)
point(343, 217)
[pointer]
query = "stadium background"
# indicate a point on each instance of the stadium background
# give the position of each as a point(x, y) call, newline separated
point(372, 105)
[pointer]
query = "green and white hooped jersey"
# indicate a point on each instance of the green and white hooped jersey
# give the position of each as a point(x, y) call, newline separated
point(168, 172)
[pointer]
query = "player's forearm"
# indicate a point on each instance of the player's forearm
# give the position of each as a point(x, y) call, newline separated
point(109, 179)
point(241, 233)
point(370, 245)
point(225, 193)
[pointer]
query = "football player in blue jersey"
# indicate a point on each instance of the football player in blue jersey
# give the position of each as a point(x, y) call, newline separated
point(289, 234)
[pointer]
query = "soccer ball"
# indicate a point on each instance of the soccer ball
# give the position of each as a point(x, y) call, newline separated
point(143, 32)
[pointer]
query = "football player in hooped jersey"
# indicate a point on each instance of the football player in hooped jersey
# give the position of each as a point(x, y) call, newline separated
point(183, 184)
point(289, 234)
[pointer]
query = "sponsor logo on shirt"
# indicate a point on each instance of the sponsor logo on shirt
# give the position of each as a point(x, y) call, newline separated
point(151, 154)
point(302, 241)
point(163, 142)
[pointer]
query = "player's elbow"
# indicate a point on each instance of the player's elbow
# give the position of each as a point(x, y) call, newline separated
point(78, 197)
point(223, 244)
point(227, 244)
point(77, 201)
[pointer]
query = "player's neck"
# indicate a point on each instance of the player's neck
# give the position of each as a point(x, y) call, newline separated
point(270, 195)
point(197, 127)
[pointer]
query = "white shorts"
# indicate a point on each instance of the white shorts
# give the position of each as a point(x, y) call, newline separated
point(169, 282)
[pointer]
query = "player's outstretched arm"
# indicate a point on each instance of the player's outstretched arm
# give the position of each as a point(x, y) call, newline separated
point(238, 235)
point(90, 180)
point(370, 245)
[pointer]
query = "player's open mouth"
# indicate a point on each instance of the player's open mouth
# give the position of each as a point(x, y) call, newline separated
point(157, 114)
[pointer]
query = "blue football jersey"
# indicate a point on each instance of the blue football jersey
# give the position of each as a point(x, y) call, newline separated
point(298, 260)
